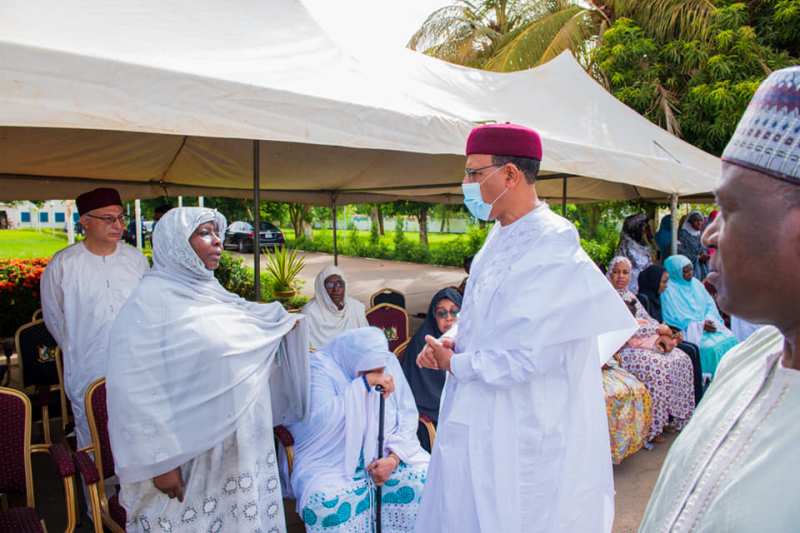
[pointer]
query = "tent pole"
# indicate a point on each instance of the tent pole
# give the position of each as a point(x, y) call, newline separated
point(564, 198)
point(201, 202)
point(138, 213)
point(335, 246)
point(71, 221)
point(673, 209)
point(257, 219)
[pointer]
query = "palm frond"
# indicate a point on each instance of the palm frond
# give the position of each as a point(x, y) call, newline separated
point(668, 19)
point(572, 35)
point(525, 47)
point(441, 25)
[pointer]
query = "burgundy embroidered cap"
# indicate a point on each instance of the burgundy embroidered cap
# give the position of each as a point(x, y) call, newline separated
point(97, 198)
point(505, 139)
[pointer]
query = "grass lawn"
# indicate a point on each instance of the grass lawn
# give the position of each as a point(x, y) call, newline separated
point(31, 243)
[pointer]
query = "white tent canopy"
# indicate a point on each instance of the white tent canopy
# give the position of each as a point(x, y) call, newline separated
point(153, 96)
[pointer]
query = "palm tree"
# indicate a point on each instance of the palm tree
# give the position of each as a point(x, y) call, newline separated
point(509, 35)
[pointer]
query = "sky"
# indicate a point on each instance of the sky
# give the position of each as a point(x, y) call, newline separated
point(370, 26)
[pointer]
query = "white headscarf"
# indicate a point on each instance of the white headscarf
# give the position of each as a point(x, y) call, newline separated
point(325, 319)
point(687, 224)
point(343, 420)
point(188, 358)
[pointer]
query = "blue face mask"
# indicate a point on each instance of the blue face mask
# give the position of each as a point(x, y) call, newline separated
point(473, 199)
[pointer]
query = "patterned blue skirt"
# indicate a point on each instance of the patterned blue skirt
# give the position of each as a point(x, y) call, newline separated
point(352, 510)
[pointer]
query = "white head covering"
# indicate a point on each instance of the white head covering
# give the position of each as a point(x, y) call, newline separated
point(343, 421)
point(190, 358)
point(326, 320)
point(767, 138)
point(687, 224)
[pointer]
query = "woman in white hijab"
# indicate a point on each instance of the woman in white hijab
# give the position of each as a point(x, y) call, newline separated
point(331, 311)
point(335, 466)
point(196, 376)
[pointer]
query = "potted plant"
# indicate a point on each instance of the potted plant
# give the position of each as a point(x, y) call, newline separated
point(284, 265)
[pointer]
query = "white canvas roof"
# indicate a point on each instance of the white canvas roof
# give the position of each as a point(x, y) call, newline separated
point(153, 96)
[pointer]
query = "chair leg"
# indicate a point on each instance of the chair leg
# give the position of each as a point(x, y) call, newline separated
point(46, 424)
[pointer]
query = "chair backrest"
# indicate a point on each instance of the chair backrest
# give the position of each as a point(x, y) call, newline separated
point(388, 296)
point(37, 315)
point(37, 352)
point(393, 320)
point(97, 416)
point(15, 444)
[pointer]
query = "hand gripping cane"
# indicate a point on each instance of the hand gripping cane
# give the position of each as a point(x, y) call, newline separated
point(379, 489)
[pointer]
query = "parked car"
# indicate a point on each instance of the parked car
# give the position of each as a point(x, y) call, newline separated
point(239, 236)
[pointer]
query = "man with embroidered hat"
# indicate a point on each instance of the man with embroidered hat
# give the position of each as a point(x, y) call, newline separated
point(522, 440)
point(735, 466)
point(83, 289)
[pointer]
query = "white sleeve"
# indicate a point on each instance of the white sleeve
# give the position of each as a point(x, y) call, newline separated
point(53, 301)
point(505, 368)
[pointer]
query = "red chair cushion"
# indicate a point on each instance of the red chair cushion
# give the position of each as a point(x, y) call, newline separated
point(117, 511)
point(393, 322)
point(101, 421)
point(87, 468)
point(12, 444)
point(62, 458)
point(20, 520)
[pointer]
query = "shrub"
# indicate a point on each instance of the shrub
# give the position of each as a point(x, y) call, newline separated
point(600, 252)
point(19, 292)
point(235, 277)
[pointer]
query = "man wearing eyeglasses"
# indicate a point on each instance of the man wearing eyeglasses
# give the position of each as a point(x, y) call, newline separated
point(522, 440)
point(83, 288)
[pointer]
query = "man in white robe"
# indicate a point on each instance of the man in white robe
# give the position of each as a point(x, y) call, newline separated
point(83, 289)
point(735, 466)
point(522, 441)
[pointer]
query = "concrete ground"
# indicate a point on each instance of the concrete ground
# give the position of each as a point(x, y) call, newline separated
point(634, 478)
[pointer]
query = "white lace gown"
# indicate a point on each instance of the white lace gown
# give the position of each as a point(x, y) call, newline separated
point(234, 486)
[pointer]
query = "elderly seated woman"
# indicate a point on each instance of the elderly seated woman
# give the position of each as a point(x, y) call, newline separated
point(337, 464)
point(427, 384)
point(331, 311)
point(688, 307)
point(653, 357)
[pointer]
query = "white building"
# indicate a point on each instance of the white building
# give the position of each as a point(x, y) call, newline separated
point(52, 214)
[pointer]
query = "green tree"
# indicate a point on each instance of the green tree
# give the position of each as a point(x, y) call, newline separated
point(418, 210)
point(695, 88)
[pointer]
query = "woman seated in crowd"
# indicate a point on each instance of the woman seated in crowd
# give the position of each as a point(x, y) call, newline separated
point(653, 357)
point(193, 389)
point(427, 384)
point(653, 282)
point(336, 461)
point(331, 311)
point(687, 306)
point(629, 410)
point(634, 245)
point(690, 243)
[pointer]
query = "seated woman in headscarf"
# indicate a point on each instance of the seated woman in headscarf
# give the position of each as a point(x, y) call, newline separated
point(336, 464)
point(663, 237)
point(331, 311)
point(628, 408)
point(688, 307)
point(653, 281)
point(197, 378)
point(427, 384)
point(653, 357)
point(691, 246)
point(634, 246)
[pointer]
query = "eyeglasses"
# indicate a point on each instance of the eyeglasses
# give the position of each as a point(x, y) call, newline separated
point(110, 219)
point(443, 313)
point(330, 285)
point(470, 173)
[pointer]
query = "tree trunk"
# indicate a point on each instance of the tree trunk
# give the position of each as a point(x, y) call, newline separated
point(379, 213)
point(422, 217)
point(297, 214)
point(374, 217)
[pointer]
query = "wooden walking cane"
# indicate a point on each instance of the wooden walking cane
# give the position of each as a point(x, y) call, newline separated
point(379, 488)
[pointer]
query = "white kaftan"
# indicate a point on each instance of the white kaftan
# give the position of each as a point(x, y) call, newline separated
point(734, 467)
point(199, 375)
point(81, 296)
point(523, 435)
